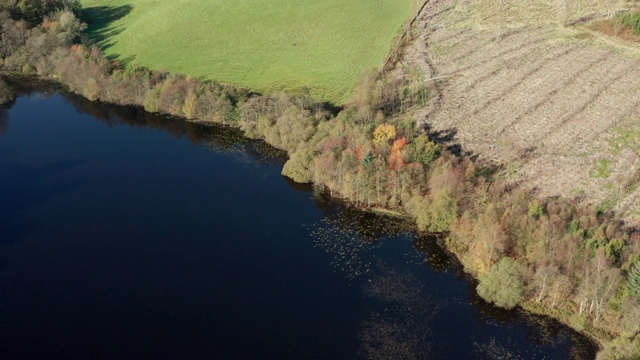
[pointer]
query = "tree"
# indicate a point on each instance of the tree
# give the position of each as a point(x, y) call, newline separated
point(542, 281)
point(190, 107)
point(502, 285)
point(298, 166)
point(424, 151)
point(490, 240)
point(396, 158)
point(444, 211)
point(36, 10)
point(631, 317)
point(383, 133)
point(599, 283)
point(560, 288)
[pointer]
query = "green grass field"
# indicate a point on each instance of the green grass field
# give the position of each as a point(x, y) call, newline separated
point(260, 44)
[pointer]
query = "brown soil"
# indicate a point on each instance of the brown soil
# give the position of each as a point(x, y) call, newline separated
point(543, 101)
point(609, 28)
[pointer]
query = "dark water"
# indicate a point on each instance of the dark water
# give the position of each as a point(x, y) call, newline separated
point(127, 235)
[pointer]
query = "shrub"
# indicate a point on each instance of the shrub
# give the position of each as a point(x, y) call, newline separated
point(502, 285)
point(631, 20)
point(536, 210)
point(298, 166)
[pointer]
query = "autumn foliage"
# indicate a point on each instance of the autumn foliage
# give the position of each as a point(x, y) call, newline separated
point(562, 255)
point(396, 158)
point(383, 133)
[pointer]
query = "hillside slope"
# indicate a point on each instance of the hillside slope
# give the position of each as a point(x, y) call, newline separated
point(558, 108)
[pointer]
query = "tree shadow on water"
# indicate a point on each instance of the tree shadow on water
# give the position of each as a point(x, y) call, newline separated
point(4, 120)
point(100, 21)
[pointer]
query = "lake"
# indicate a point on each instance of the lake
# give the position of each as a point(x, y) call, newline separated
point(130, 235)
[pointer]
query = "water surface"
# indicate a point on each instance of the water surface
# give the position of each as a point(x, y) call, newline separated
point(129, 235)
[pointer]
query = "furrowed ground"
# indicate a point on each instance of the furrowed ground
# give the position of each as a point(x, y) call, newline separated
point(557, 107)
point(263, 45)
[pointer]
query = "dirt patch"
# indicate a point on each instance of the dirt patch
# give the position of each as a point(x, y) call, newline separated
point(610, 28)
point(537, 98)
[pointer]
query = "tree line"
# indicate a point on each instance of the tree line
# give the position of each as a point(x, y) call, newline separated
point(556, 256)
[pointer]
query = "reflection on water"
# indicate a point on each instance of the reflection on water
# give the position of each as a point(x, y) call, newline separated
point(4, 123)
point(200, 256)
point(222, 139)
point(218, 138)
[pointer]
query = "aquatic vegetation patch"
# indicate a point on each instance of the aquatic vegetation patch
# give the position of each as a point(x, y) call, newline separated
point(351, 237)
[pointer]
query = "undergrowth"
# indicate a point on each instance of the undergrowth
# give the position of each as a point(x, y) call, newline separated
point(631, 20)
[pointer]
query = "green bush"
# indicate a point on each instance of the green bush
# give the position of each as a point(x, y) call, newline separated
point(502, 285)
point(536, 210)
point(297, 168)
point(631, 20)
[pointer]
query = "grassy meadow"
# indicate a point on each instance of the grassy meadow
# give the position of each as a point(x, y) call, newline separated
point(261, 44)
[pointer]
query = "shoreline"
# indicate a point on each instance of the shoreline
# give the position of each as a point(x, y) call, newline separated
point(527, 306)
point(369, 154)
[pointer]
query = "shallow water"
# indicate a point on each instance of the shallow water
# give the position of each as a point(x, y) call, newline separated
point(129, 235)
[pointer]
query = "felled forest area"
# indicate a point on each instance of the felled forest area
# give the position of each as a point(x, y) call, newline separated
point(567, 259)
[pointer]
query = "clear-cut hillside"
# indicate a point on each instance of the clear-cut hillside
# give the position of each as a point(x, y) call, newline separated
point(557, 107)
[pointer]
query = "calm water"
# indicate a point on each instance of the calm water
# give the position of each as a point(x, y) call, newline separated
point(127, 235)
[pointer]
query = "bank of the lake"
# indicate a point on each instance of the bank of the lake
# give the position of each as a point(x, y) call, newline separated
point(362, 203)
point(128, 234)
point(573, 259)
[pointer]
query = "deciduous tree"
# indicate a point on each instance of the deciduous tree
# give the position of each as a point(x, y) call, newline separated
point(502, 285)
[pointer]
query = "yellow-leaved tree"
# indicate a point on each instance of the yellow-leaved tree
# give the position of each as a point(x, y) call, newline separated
point(383, 133)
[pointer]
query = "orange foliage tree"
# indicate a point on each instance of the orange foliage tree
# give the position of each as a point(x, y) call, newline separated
point(396, 158)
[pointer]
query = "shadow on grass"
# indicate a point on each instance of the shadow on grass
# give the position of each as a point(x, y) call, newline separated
point(100, 21)
point(123, 61)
